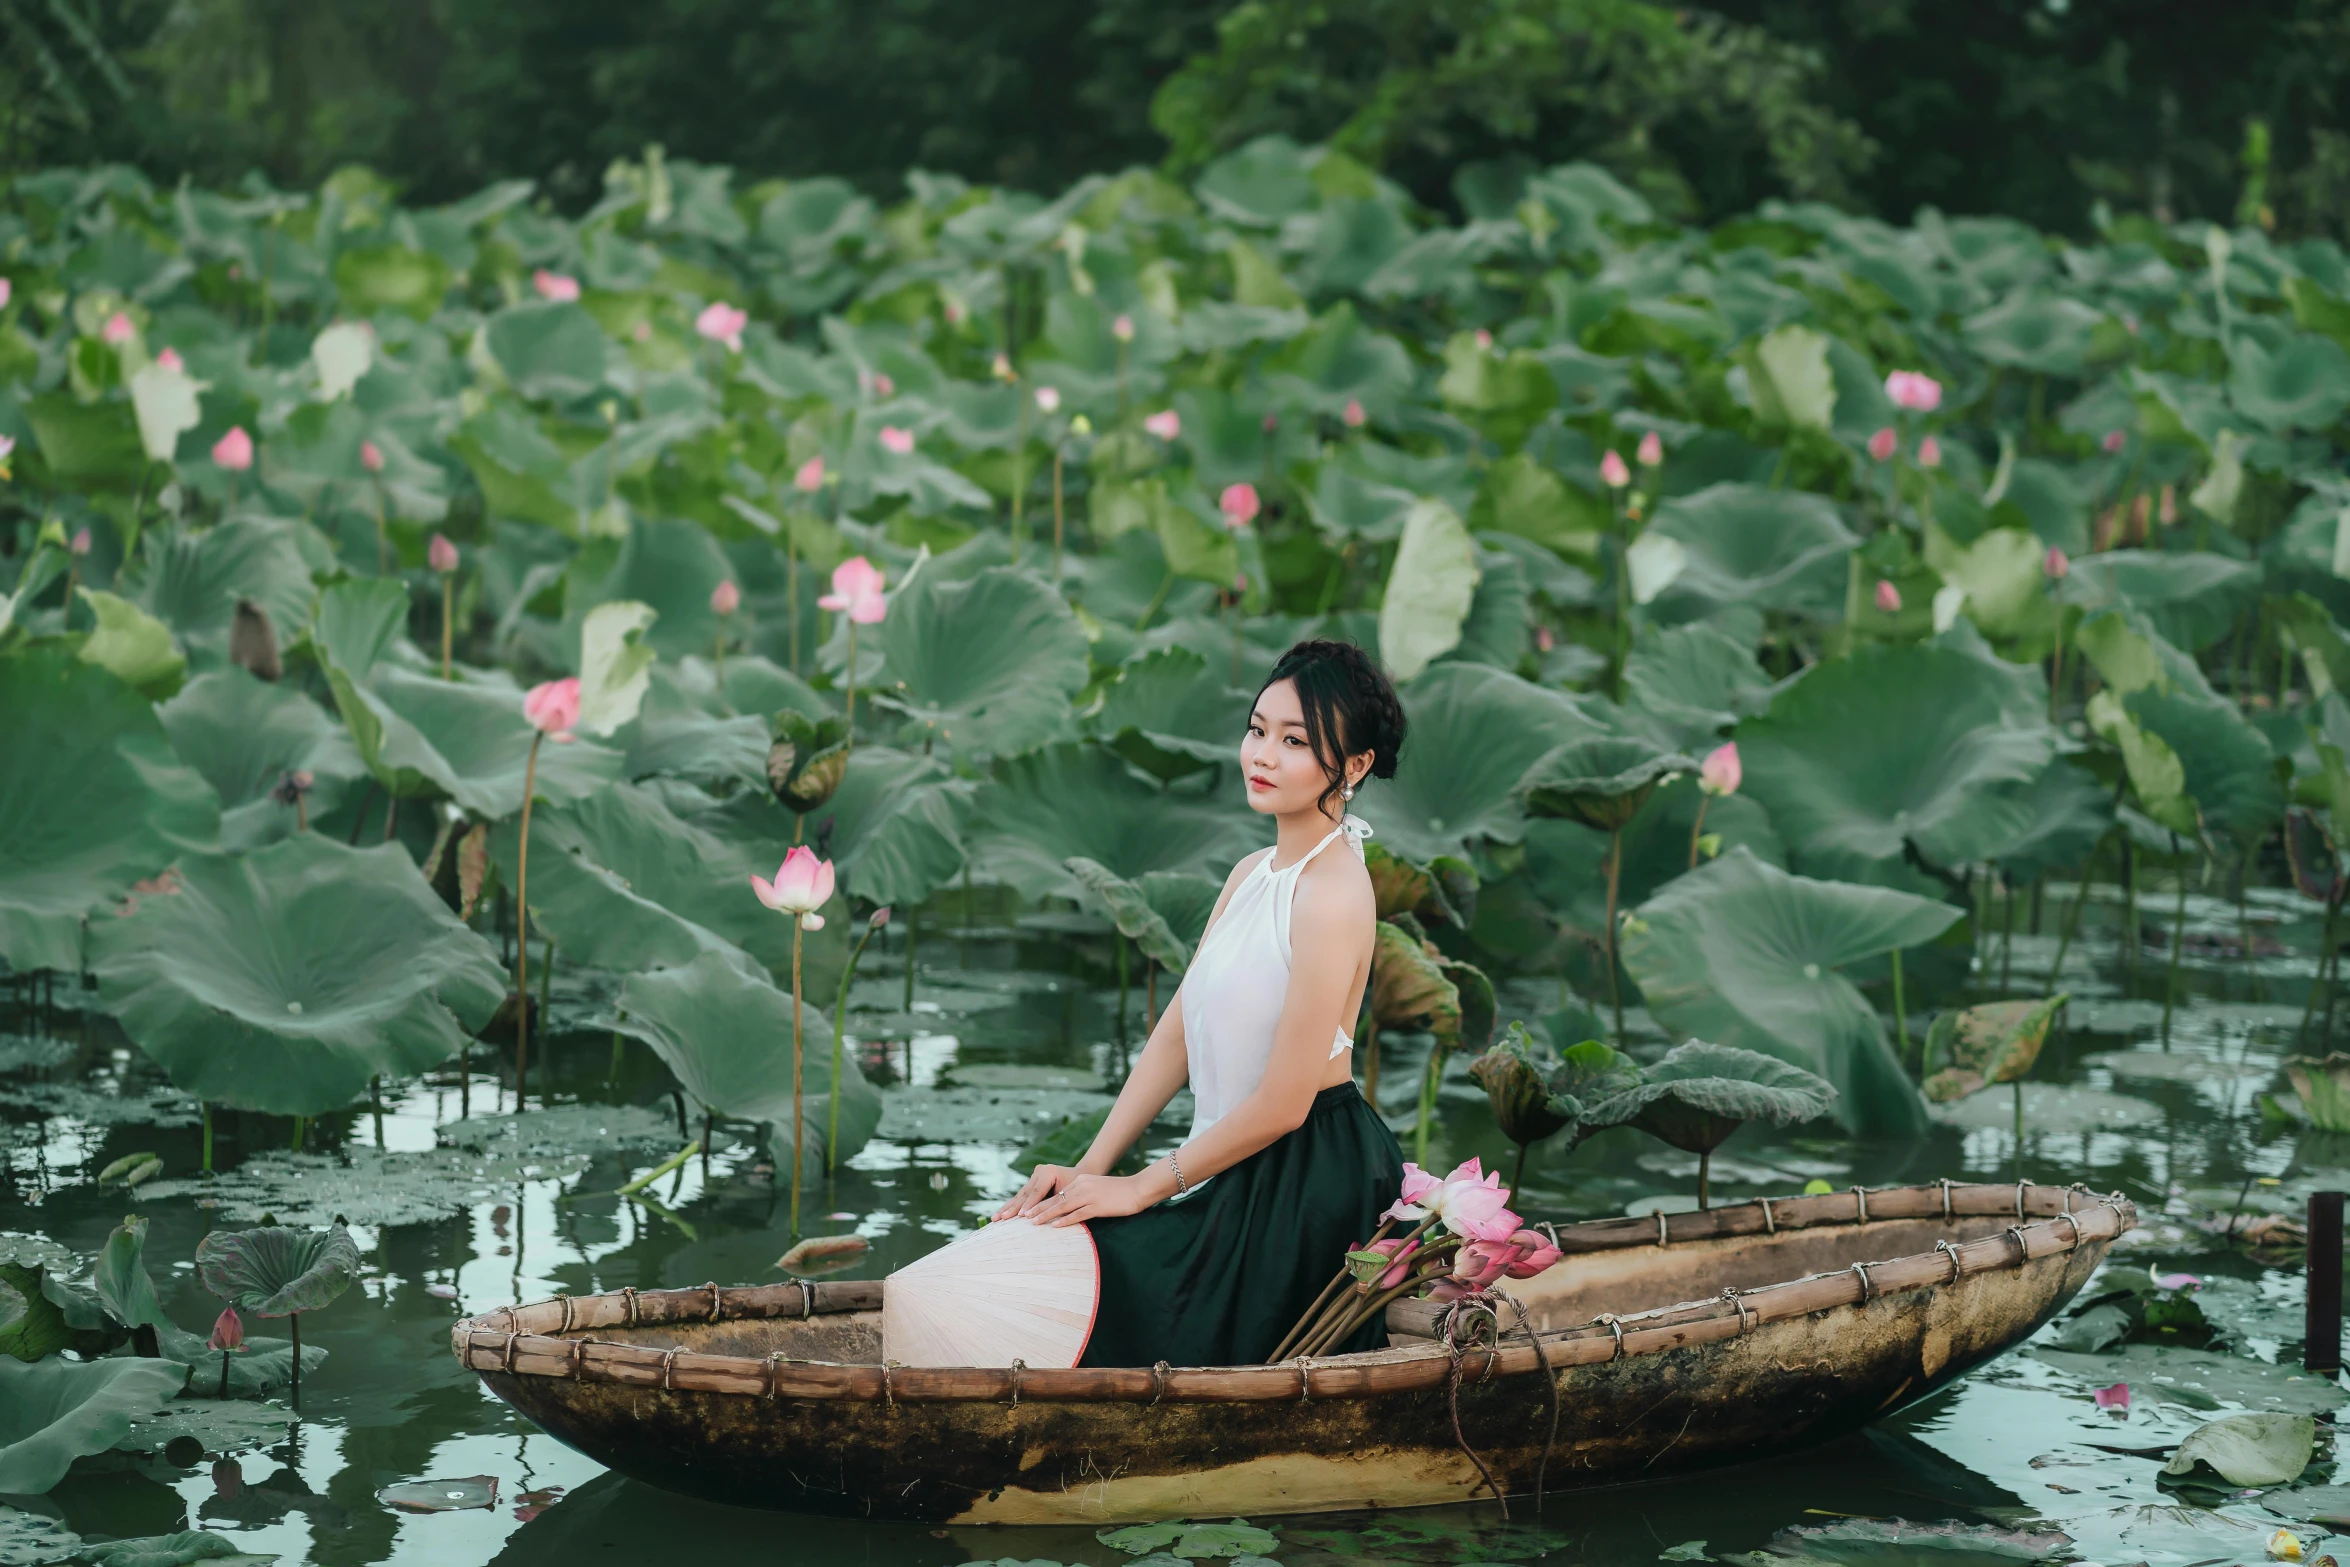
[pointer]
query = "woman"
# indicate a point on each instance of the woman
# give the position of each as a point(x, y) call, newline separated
point(1286, 1166)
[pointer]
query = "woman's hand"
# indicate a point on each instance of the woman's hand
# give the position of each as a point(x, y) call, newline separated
point(1044, 1181)
point(1082, 1197)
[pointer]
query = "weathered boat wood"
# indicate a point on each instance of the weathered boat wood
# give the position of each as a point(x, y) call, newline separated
point(1674, 1342)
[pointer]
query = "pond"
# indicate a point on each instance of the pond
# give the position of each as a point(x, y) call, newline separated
point(1015, 1021)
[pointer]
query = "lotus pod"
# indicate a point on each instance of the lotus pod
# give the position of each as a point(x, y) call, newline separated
point(1969, 1050)
point(2309, 848)
point(1409, 988)
point(252, 642)
point(1600, 781)
point(274, 1271)
point(1517, 1086)
point(1700, 1093)
point(2323, 1082)
point(807, 759)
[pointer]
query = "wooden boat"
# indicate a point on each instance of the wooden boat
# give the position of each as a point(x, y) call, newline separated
point(1673, 1341)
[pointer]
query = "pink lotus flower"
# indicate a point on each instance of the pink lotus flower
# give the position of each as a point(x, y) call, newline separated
point(896, 440)
point(371, 457)
point(1166, 424)
point(1888, 597)
point(1652, 450)
point(118, 329)
point(1048, 399)
point(1479, 1265)
point(2115, 440)
point(228, 1332)
point(553, 708)
point(2057, 566)
point(802, 885)
point(1612, 471)
point(1535, 1254)
point(5, 291)
point(7, 445)
point(1353, 416)
point(1418, 1187)
point(1914, 390)
point(2176, 1281)
point(440, 554)
point(1929, 453)
point(883, 386)
point(1402, 1250)
point(170, 360)
point(1239, 505)
point(1474, 1204)
point(720, 322)
point(810, 477)
point(725, 598)
point(234, 451)
point(1123, 329)
point(2114, 1397)
point(1484, 338)
point(81, 539)
point(1720, 772)
point(555, 287)
point(856, 591)
point(1884, 444)
point(1002, 368)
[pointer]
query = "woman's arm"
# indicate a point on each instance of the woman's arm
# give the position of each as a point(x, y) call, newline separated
point(1328, 925)
point(1161, 1069)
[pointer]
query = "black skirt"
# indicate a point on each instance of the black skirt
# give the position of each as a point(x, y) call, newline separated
point(1218, 1279)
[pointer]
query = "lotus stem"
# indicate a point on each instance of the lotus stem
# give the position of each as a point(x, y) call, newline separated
point(448, 617)
point(2244, 926)
point(2072, 920)
point(791, 579)
point(718, 659)
point(1615, 866)
point(913, 921)
point(530, 779)
point(1151, 610)
point(301, 1130)
point(546, 972)
point(208, 1171)
point(1371, 1059)
point(294, 1319)
point(852, 740)
point(665, 1167)
point(1057, 456)
point(840, 1016)
point(1322, 1300)
point(1354, 1314)
point(1697, 828)
point(2056, 669)
point(1518, 1174)
point(223, 1393)
point(2178, 939)
point(1900, 1035)
point(1019, 466)
point(1705, 1156)
point(799, 1122)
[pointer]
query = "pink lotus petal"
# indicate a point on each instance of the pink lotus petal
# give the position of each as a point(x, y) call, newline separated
point(2114, 1397)
point(856, 591)
point(169, 359)
point(893, 439)
point(1353, 416)
point(810, 477)
point(553, 707)
point(1929, 453)
point(1720, 772)
point(1048, 399)
point(1166, 424)
point(2177, 1281)
point(1123, 329)
point(1612, 471)
point(441, 555)
point(1239, 505)
point(234, 451)
point(1652, 450)
point(1888, 597)
point(2057, 565)
point(554, 286)
point(720, 322)
point(1884, 444)
point(118, 329)
point(2115, 440)
point(371, 457)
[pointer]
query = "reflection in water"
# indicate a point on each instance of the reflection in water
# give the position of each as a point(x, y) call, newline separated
point(994, 1053)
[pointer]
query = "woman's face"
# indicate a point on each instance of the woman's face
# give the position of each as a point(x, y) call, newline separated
point(1277, 762)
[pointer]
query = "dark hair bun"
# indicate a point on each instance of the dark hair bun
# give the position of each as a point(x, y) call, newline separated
point(1350, 706)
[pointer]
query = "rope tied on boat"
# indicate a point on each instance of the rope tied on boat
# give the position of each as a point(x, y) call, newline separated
point(1551, 1386)
point(628, 1298)
point(1944, 1183)
point(716, 1301)
point(1951, 1252)
point(2067, 1217)
point(2019, 1198)
point(568, 1305)
point(1019, 1370)
point(1614, 1324)
point(1158, 1382)
point(888, 1394)
point(1737, 1300)
point(1478, 1303)
point(1860, 1198)
point(1770, 1220)
point(1664, 1236)
point(1305, 1379)
point(1862, 1269)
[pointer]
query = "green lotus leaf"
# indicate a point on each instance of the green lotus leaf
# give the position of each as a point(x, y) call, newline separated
point(278, 1271)
point(244, 736)
point(615, 664)
point(1746, 955)
point(2264, 1448)
point(1974, 1047)
point(806, 758)
point(58, 1410)
point(1079, 801)
point(1473, 732)
point(1689, 683)
point(1402, 887)
point(1503, 395)
point(548, 351)
point(1165, 715)
point(2045, 334)
point(1131, 911)
point(726, 1035)
point(192, 582)
point(1566, 861)
point(2230, 772)
point(284, 980)
point(2303, 385)
point(92, 446)
point(1516, 1079)
point(667, 565)
point(2069, 813)
point(183, 1549)
point(2157, 777)
point(1787, 375)
point(2191, 600)
point(1700, 1093)
point(133, 645)
point(1589, 1073)
point(91, 800)
point(1430, 590)
point(894, 827)
point(1751, 547)
point(391, 277)
point(119, 1277)
point(1600, 781)
point(986, 665)
point(1410, 988)
point(13, 1307)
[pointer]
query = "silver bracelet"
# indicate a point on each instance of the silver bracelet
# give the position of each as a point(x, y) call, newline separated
point(1175, 1164)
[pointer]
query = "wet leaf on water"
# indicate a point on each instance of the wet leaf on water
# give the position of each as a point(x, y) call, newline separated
point(1686, 1551)
point(56, 1411)
point(1192, 1541)
point(2050, 1107)
point(1868, 1542)
point(2099, 1327)
point(916, 1114)
point(441, 1496)
point(160, 1106)
point(218, 1426)
point(2255, 1449)
point(29, 1540)
point(169, 1550)
point(2202, 1379)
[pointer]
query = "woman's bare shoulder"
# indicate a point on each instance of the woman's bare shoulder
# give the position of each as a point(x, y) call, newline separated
point(1337, 887)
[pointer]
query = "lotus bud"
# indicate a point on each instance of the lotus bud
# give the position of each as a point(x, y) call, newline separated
point(883, 386)
point(2114, 441)
point(896, 441)
point(1914, 390)
point(1536, 1252)
point(1272, 422)
point(81, 537)
point(1123, 329)
point(1484, 338)
point(1081, 426)
point(725, 598)
point(1048, 399)
point(1166, 424)
point(1514, 1088)
point(1612, 471)
point(1353, 416)
point(1652, 450)
point(234, 451)
point(879, 918)
point(118, 329)
point(371, 457)
point(722, 323)
point(1239, 505)
point(555, 287)
point(553, 708)
point(170, 360)
point(1929, 453)
point(1888, 597)
point(5, 291)
point(7, 445)
point(802, 885)
point(441, 555)
point(856, 591)
point(228, 1332)
point(1884, 444)
point(1720, 773)
point(810, 477)
point(642, 331)
point(2057, 566)
point(252, 642)
point(292, 786)
point(1544, 639)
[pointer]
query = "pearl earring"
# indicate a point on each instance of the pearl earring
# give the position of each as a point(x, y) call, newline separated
point(1347, 793)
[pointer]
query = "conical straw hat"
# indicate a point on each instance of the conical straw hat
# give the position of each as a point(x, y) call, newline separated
point(1011, 1290)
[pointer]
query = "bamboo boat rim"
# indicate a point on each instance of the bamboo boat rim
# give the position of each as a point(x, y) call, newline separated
point(551, 1340)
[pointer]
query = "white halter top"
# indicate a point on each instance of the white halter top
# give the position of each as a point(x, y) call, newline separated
point(1238, 980)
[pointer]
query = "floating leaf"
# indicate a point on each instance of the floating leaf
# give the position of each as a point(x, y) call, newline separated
point(2256, 1449)
point(441, 1496)
point(59, 1410)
